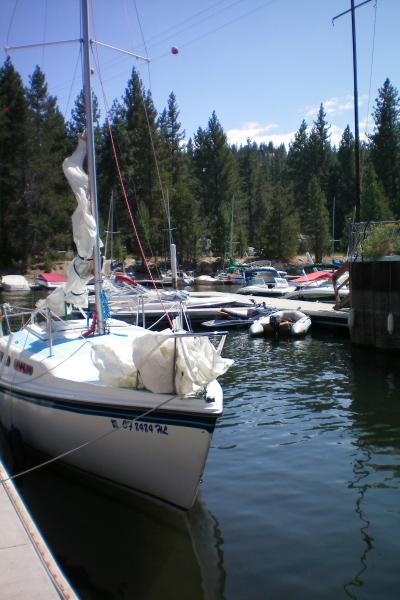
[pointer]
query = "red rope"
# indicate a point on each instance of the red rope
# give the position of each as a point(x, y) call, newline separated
point(92, 328)
point(125, 196)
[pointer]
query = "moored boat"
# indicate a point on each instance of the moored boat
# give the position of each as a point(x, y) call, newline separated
point(51, 281)
point(14, 283)
point(127, 405)
point(281, 323)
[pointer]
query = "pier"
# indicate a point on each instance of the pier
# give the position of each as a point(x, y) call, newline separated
point(28, 569)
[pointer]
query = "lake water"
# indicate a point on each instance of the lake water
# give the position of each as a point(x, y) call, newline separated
point(300, 498)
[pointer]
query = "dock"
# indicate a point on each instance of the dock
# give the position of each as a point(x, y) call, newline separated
point(321, 313)
point(27, 567)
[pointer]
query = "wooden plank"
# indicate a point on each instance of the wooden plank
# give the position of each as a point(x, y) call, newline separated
point(27, 567)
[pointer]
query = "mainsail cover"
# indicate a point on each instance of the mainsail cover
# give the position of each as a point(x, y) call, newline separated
point(80, 269)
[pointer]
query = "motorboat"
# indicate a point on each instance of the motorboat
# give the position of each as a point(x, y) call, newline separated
point(15, 283)
point(287, 323)
point(267, 283)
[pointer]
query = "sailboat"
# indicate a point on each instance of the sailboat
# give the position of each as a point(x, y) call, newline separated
point(126, 405)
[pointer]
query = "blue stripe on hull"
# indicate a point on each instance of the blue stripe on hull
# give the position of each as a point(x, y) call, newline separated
point(161, 416)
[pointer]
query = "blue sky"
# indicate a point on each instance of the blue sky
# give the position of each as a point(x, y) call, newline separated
point(262, 65)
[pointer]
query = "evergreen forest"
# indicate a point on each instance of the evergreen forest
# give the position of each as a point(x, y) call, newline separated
point(286, 200)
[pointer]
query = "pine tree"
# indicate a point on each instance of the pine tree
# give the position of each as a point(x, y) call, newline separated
point(281, 227)
point(320, 150)
point(298, 163)
point(13, 135)
point(77, 124)
point(317, 220)
point(385, 143)
point(345, 186)
point(134, 127)
point(374, 204)
point(214, 169)
point(48, 203)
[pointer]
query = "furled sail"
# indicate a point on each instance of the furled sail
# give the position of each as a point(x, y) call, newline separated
point(80, 269)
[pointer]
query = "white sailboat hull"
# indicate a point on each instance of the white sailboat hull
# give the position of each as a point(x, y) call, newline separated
point(154, 457)
point(152, 443)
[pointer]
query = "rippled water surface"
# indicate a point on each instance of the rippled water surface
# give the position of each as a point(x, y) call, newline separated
point(300, 498)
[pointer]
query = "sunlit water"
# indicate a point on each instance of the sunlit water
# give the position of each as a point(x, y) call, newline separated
point(300, 498)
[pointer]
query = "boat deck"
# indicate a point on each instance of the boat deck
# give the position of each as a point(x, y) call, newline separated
point(28, 569)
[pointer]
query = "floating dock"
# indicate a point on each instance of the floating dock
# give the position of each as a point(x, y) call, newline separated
point(27, 567)
point(321, 313)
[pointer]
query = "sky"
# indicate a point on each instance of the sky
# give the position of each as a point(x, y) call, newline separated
point(262, 65)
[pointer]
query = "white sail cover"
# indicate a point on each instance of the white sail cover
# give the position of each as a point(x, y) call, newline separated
point(161, 364)
point(80, 269)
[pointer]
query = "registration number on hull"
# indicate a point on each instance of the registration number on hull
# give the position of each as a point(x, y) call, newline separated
point(133, 425)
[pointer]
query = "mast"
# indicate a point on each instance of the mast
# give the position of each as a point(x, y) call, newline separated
point(91, 158)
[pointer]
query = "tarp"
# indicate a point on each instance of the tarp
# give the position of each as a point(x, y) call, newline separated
point(315, 276)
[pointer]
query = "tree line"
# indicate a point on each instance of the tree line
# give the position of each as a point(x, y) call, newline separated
point(283, 201)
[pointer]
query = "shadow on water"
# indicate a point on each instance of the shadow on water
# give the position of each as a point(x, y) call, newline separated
point(115, 545)
point(375, 384)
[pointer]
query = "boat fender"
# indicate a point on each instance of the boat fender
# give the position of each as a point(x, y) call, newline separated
point(351, 318)
point(390, 323)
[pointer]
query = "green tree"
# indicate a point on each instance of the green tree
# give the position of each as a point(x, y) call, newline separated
point(13, 136)
point(281, 228)
point(317, 220)
point(298, 164)
point(77, 124)
point(345, 182)
point(214, 170)
point(385, 143)
point(374, 204)
point(48, 202)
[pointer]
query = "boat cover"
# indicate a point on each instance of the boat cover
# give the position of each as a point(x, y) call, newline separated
point(161, 363)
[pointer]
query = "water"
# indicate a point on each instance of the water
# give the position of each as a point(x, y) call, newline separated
point(300, 498)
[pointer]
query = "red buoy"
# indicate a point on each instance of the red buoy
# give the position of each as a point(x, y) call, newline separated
point(174, 50)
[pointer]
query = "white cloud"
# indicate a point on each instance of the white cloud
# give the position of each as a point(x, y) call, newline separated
point(258, 133)
point(335, 106)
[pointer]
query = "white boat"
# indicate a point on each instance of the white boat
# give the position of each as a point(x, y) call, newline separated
point(281, 323)
point(207, 280)
point(129, 406)
point(272, 286)
point(317, 291)
point(15, 283)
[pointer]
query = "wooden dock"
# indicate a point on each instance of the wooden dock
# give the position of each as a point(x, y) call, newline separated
point(321, 313)
point(27, 567)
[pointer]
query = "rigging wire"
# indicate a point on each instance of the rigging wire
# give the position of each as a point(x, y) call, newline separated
point(79, 59)
point(222, 26)
point(86, 444)
point(372, 65)
point(170, 30)
point(44, 33)
point(143, 40)
point(195, 24)
point(11, 22)
point(148, 120)
point(123, 189)
point(362, 159)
